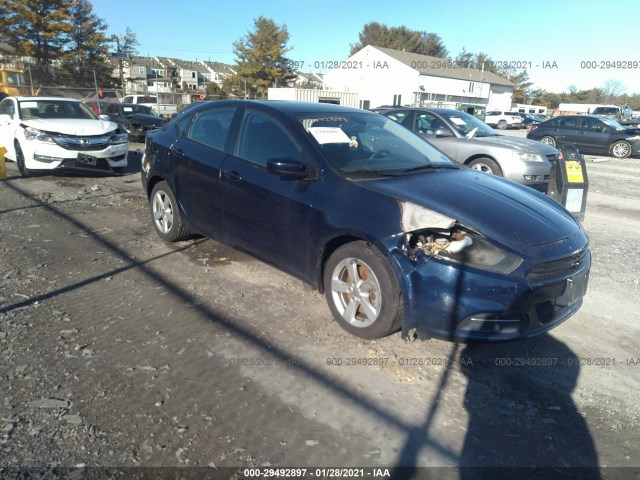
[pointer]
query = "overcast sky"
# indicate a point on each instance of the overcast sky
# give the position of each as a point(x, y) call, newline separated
point(581, 42)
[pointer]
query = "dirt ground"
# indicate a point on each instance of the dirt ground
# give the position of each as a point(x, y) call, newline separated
point(119, 350)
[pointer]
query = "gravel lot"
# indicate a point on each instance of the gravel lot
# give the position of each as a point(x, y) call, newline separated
point(118, 350)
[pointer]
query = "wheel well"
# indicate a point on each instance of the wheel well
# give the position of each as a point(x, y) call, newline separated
point(151, 183)
point(328, 250)
point(479, 155)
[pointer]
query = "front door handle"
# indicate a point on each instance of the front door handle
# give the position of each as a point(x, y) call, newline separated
point(232, 175)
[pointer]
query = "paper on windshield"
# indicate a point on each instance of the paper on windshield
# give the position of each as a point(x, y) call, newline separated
point(457, 121)
point(28, 104)
point(329, 135)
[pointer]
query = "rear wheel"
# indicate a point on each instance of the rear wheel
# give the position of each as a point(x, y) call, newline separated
point(548, 140)
point(24, 171)
point(620, 149)
point(362, 291)
point(166, 215)
point(502, 125)
point(486, 165)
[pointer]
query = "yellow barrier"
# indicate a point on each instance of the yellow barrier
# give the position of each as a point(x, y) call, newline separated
point(3, 166)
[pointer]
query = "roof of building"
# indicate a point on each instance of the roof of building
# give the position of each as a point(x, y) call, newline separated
point(438, 67)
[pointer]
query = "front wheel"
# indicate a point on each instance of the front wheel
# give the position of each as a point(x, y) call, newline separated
point(24, 171)
point(620, 149)
point(166, 215)
point(362, 291)
point(486, 165)
point(548, 140)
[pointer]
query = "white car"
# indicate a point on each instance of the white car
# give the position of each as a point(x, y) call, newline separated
point(503, 120)
point(47, 133)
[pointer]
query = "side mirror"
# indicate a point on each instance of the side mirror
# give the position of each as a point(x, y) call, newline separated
point(286, 167)
point(105, 117)
point(442, 132)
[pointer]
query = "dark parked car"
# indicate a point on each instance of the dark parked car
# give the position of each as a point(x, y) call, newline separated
point(185, 107)
point(137, 120)
point(394, 233)
point(529, 119)
point(473, 143)
point(590, 133)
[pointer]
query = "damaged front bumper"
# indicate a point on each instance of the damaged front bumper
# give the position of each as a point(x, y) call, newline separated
point(453, 301)
point(87, 154)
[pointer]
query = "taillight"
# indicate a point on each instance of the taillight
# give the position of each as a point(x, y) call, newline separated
point(531, 128)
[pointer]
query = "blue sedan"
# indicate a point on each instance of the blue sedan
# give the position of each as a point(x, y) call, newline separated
point(388, 227)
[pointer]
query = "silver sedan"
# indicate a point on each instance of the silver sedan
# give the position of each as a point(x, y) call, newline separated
point(471, 142)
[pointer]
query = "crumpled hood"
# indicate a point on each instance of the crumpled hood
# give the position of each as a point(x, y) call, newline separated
point(146, 119)
point(519, 144)
point(509, 213)
point(72, 126)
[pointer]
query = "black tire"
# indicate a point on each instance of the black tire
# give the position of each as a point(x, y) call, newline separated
point(548, 140)
point(502, 125)
point(165, 214)
point(24, 171)
point(487, 165)
point(376, 310)
point(620, 149)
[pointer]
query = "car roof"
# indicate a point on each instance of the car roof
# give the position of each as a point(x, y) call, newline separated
point(57, 99)
point(439, 110)
point(289, 107)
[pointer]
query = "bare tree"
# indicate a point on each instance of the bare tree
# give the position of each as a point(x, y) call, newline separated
point(612, 89)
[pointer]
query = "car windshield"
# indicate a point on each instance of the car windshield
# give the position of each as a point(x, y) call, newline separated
point(32, 109)
point(363, 142)
point(466, 124)
point(612, 123)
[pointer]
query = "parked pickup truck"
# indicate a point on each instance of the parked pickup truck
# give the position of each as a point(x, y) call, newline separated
point(621, 114)
point(163, 109)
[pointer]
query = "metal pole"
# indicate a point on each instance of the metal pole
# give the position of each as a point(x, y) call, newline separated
point(95, 82)
point(30, 79)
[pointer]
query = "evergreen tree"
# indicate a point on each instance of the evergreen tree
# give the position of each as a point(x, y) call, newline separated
point(400, 38)
point(261, 60)
point(39, 29)
point(89, 49)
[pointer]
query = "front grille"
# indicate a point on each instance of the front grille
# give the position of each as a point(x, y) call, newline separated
point(555, 268)
point(83, 144)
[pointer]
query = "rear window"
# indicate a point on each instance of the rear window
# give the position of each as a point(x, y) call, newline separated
point(606, 110)
point(141, 99)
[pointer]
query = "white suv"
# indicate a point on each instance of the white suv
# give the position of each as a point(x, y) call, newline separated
point(503, 120)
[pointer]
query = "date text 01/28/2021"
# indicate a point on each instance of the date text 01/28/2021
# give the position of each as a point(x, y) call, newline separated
point(324, 472)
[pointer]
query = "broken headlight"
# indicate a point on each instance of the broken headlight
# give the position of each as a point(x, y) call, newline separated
point(438, 235)
point(31, 134)
point(464, 247)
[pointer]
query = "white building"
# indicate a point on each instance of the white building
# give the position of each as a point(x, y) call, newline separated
point(383, 76)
